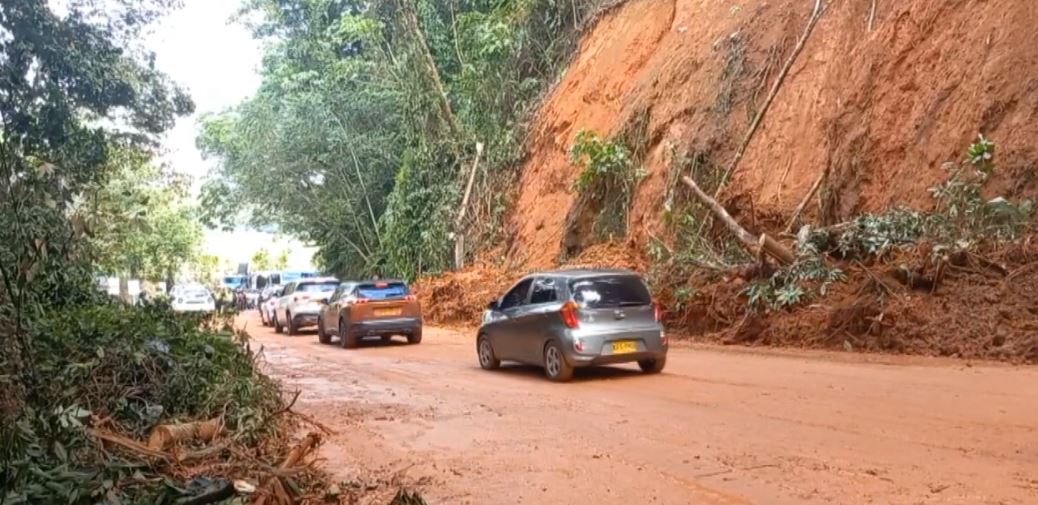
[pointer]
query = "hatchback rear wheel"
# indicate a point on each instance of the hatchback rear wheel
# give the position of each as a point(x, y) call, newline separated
point(556, 367)
point(487, 359)
point(653, 365)
point(415, 337)
point(278, 327)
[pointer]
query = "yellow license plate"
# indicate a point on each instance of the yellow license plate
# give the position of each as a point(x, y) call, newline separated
point(387, 312)
point(624, 346)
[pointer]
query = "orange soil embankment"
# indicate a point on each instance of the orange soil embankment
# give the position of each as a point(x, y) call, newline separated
point(883, 109)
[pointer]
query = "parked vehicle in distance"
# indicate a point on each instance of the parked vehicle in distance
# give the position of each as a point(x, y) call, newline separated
point(301, 302)
point(193, 299)
point(565, 319)
point(269, 304)
point(371, 309)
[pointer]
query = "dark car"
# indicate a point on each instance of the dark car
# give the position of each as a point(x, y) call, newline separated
point(565, 319)
point(371, 309)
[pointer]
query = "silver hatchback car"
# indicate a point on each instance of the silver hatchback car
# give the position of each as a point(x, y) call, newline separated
point(574, 318)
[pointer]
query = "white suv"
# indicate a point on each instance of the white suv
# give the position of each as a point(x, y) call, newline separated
point(300, 304)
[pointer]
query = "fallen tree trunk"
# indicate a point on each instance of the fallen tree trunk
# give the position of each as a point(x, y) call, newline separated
point(751, 242)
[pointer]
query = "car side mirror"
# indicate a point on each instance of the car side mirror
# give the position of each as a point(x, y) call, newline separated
point(493, 305)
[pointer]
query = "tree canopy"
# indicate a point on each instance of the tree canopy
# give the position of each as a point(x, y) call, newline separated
point(368, 114)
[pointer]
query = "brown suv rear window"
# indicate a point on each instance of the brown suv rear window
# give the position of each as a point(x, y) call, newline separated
point(382, 290)
point(610, 291)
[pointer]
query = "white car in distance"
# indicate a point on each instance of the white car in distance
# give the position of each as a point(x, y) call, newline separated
point(193, 299)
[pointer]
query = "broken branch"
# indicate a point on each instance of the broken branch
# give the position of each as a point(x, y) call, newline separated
point(749, 241)
point(807, 199)
point(815, 16)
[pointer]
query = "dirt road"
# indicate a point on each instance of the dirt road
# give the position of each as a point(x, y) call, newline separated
point(718, 427)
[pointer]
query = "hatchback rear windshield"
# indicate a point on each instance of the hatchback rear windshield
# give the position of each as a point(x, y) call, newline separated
point(317, 287)
point(610, 291)
point(383, 290)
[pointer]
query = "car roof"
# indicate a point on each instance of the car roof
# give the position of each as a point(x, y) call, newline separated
point(379, 281)
point(583, 272)
point(315, 280)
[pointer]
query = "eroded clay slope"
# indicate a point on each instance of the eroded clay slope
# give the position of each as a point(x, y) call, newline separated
point(882, 108)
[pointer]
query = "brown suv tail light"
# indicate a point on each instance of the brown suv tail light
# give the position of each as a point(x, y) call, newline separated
point(358, 301)
point(569, 314)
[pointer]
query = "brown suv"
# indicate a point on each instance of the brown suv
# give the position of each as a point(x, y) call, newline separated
point(370, 309)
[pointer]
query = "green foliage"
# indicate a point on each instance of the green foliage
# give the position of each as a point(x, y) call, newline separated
point(608, 178)
point(876, 234)
point(139, 222)
point(260, 260)
point(606, 165)
point(794, 284)
point(136, 366)
point(961, 218)
point(344, 145)
point(418, 220)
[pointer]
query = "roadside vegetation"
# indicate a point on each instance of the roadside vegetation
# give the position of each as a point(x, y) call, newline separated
point(84, 379)
point(364, 131)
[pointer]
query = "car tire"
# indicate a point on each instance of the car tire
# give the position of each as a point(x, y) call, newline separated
point(322, 332)
point(387, 339)
point(485, 351)
point(556, 368)
point(652, 366)
point(263, 319)
point(293, 330)
point(346, 339)
point(278, 327)
point(415, 337)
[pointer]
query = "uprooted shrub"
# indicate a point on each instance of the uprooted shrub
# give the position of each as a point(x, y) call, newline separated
point(607, 179)
point(124, 369)
point(961, 219)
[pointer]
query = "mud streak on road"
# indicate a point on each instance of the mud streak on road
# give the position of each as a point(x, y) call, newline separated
point(718, 427)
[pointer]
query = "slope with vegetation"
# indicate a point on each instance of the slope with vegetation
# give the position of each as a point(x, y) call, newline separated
point(848, 117)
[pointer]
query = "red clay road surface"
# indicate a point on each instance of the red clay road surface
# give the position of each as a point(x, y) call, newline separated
point(719, 426)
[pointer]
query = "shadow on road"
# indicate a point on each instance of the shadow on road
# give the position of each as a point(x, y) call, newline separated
point(589, 374)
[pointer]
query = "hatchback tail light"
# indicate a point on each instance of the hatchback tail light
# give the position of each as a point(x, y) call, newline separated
point(359, 301)
point(569, 314)
point(658, 310)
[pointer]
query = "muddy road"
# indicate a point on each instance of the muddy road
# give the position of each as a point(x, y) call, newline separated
point(719, 426)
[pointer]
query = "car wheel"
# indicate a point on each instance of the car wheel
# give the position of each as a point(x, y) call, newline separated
point(278, 327)
point(263, 319)
point(653, 365)
point(322, 333)
point(293, 330)
point(387, 339)
point(416, 337)
point(487, 359)
point(347, 340)
point(556, 367)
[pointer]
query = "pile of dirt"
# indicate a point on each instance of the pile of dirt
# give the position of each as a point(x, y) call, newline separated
point(460, 297)
point(979, 306)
